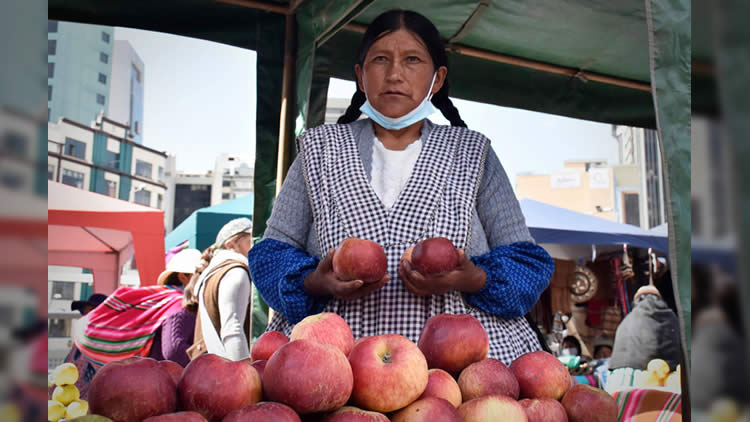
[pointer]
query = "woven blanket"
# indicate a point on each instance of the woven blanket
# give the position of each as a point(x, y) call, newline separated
point(648, 405)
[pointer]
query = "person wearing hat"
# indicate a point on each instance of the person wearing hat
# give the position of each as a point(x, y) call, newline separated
point(602, 348)
point(86, 306)
point(651, 330)
point(224, 295)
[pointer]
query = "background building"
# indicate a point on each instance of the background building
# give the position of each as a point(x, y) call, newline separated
point(101, 158)
point(79, 70)
point(89, 73)
point(126, 90)
point(631, 191)
point(232, 177)
point(192, 192)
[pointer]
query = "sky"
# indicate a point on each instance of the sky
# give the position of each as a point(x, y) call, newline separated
point(199, 102)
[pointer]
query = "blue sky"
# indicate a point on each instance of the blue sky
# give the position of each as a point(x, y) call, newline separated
point(200, 102)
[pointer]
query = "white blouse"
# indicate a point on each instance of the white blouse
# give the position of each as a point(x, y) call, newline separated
point(391, 170)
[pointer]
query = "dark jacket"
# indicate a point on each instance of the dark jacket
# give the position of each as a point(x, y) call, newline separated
point(651, 330)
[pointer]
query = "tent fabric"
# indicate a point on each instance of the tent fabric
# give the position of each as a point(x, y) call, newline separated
point(201, 227)
point(94, 231)
point(669, 44)
point(551, 224)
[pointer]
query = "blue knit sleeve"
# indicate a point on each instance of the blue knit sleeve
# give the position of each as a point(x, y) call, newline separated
point(517, 274)
point(278, 271)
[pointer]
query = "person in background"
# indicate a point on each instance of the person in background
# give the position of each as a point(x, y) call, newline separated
point(651, 330)
point(162, 330)
point(602, 348)
point(224, 293)
point(570, 346)
point(86, 306)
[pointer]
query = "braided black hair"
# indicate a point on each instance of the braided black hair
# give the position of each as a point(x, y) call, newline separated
point(421, 27)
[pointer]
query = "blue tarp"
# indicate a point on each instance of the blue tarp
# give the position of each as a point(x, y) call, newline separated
point(201, 227)
point(551, 224)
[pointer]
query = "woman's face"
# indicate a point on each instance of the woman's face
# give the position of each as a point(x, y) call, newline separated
point(397, 72)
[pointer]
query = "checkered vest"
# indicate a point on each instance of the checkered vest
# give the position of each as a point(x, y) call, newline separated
point(438, 200)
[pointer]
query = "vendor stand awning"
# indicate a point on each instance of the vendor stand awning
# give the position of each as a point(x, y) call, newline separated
point(95, 231)
point(201, 227)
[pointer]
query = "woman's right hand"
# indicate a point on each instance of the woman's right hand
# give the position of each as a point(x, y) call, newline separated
point(323, 282)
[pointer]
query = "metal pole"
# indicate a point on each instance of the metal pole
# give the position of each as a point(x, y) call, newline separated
point(286, 118)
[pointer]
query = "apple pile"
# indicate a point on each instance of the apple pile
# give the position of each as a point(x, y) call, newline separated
point(320, 373)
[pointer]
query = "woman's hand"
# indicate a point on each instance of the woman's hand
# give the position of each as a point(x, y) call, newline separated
point(467, 277)
point(323, 282)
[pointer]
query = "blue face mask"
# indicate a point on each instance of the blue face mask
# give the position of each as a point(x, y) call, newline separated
point(422, 111)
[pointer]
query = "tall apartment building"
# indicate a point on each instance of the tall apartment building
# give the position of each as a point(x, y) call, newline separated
point(233, 177)
point(89, 74)
point(102, 158)
point(191, 192)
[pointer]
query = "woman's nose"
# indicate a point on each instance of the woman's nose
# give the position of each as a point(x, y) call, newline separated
point(394, 72)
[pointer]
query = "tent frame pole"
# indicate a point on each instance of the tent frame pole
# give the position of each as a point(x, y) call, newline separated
point(288, 106)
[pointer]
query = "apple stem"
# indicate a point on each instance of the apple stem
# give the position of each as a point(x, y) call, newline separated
point(387, 358)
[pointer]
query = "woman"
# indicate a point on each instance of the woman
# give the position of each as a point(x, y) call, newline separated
point(224, 295)
point(147, 321)
point(396, 179)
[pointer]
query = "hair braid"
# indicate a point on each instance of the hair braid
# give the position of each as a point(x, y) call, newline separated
point(352, 112)
point(445, 105)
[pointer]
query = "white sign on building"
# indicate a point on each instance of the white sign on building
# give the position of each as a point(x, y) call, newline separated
point(565, 180)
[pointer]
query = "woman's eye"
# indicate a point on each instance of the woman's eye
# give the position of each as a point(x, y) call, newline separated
point(413, 59)
point(379, 59)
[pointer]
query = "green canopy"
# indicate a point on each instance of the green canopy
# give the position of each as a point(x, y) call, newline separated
point(624, 62)
point(201, 227)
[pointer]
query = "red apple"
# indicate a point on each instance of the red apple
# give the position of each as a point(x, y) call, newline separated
point(177, 417)
point(441, 384)
point(308, 376)
point(266, 344)
point(541, 375)
point(214, 386)
point(260, 366)
point(360, 259)
point(389, 372)
point(262, 412)
point(435, 255)
point(355, 414)
point(173, 369)
point(453, 342)
point(428, 409)
point(487, 377)
point(544, 410)
point(325, 328)
point(584, 403)
point(492, 409)
point(132, 389)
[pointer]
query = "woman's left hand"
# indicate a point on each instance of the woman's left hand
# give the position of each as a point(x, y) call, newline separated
point(467, 277)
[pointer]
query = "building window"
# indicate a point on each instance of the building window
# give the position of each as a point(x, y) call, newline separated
point(72, 178)
point(226, 183)
point(136, 73)
point(142, 169)
point(112, 160)
point(75, 148)
point(161, 173)
point(159, 199)
point(105, 37)
point(632, 210)
point(62, 290)
point(49, 92)
point(102, 78)
point(51, 47)
point(104, 58)
point(112, 188)
point(14, 144)
point(225, 195)
point(137, 127)
point(143, 197)
point(50, 70)
point(51, 26)
point(58, 327)
point(100, 99)
point(50, 172)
